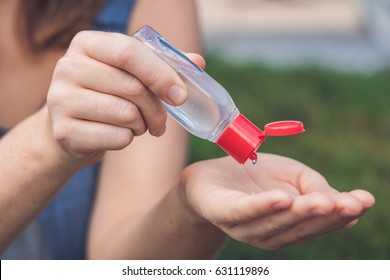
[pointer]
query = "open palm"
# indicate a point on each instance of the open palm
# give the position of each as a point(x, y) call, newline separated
point(272, 204)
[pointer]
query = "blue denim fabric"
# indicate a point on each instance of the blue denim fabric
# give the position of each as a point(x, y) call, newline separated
point(114, 17)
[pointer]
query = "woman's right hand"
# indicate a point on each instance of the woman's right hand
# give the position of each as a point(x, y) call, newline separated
point(107, 89)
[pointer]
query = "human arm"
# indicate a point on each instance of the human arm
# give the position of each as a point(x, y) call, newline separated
point(32, 171)
point(138, 211)
point(80, 128)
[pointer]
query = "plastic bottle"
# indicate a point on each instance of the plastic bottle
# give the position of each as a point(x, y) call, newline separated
point(209, 112)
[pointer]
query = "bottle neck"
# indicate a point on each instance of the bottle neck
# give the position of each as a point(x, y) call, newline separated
point(223, 125)
point(241, 139)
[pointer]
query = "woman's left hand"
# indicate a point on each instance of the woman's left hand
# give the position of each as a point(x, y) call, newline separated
point(272, 204)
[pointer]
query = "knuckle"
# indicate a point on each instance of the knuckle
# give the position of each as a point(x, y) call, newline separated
point(123, 138)
point(139, 131)
point(160, 119)
point(156, 76)
point(80, 37)
point(269, 229)
point(51, 99)
point(57, 99)
point(134, 88)
point(271, 247)
point(127, 113)
point(235, 216)
point(61, 131)
point(128, 53)
point(301, 233)
point(64, 67)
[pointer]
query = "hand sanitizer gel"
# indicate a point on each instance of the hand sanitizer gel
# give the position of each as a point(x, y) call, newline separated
point(209, 112)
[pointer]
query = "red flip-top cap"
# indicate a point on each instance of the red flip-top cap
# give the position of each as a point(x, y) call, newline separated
point(241, 139)
point(283, 128)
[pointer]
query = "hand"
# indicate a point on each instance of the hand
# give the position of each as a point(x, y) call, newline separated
point(272, 204)
point(107, 89)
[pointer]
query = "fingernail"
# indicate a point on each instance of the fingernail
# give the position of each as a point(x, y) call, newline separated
point(176, 94)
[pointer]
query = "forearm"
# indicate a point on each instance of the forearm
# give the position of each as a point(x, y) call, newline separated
point(31, 173)
point(137, 214)
point(167, 231)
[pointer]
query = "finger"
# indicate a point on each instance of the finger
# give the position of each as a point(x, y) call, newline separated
point(348, 205)
point(347, 210)
point(104, 108)
point(84, 137)
point(248, 207)
point(197, 59)
point(304, 231)
point(136, 58)
point(302, 208)
point(351, 224)
point(114, 81)
point(346, 213)
point(366, 198)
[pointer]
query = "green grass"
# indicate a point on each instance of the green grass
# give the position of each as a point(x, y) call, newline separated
point(347, 121)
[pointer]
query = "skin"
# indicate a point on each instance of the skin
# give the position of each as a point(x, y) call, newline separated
point(273, 204)
point(104, 104)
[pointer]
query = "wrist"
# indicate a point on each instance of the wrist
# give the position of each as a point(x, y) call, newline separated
point(56, 152)
point(206, 230)
point(49, 148)
point(27, 148)
point(189, 209)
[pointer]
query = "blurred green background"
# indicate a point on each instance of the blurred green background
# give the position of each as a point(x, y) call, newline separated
point(347, 121)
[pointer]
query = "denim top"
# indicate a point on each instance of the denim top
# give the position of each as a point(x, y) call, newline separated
point(59, 232)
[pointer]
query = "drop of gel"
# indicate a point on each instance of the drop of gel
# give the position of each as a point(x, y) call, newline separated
point(253, 158)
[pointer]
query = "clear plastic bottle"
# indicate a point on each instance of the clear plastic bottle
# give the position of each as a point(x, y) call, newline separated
point(209, 112)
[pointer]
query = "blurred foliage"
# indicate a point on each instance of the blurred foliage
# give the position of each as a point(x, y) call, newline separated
point(347, 121)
